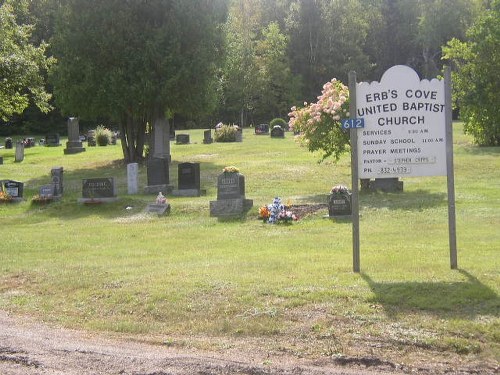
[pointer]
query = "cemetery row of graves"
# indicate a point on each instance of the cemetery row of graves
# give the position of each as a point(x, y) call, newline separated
point(231, 197)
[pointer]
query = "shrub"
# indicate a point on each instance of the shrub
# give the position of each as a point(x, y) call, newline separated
point(280, 122)
point(103, 135)
point(226, 133)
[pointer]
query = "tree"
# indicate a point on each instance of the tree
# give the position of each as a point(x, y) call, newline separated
point(327, 38)
point(22, 64)
point(277, 88)
point(132, 61)
point(476, 81)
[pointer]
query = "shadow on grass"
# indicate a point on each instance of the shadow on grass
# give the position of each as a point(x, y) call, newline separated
point(407, 201)
point(463, 299)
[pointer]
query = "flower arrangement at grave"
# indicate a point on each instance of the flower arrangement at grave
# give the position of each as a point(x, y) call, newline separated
point(339, 189)
point(318, 124)
point(5, 197)
point(39, 199)
point(277, 213)
point(230, 169)
point(161, 199)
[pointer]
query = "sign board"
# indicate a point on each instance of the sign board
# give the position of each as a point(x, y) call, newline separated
point(404, 133)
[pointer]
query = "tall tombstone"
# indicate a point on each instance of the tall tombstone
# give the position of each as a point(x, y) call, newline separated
point(57, 180)
point(19, 157)
point(132, 178)
point(161, 139)
point(231, 201)
point(74, 145)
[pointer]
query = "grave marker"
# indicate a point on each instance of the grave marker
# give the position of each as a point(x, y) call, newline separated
point(231, 200)
point(182, 139)
point(132, 178)
point(74, 145)
point(207, 137)
point(13, 188)
point(57, 180)
point(277, 132)
point(19, 157)
point(52, 140)
point(98, 190)
point(158, 176)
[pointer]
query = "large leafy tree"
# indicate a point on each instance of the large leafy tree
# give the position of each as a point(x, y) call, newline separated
point(23, 65)
point(476, 79)
point(132, 61)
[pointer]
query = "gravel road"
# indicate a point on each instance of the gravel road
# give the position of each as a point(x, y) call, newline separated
point(28, 347)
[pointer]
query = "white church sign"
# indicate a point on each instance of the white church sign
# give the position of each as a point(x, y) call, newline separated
point(404, 132)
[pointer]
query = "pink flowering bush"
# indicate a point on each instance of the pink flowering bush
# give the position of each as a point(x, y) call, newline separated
point(318, 124)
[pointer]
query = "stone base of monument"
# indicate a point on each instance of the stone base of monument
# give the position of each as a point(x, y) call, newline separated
point(73, 148)
point(188, 192)
point(161, 209)
point(155, 189)
point(230, 208)
point(96, 201)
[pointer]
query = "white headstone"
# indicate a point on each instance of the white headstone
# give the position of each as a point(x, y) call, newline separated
point(132, 178)
point(19, 152)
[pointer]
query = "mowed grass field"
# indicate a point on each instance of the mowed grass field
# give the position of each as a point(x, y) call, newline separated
point(188, 279)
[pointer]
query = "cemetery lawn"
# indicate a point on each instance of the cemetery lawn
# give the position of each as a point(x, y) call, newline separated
point(189, 280)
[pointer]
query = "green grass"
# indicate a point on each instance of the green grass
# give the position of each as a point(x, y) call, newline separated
point(189, 275)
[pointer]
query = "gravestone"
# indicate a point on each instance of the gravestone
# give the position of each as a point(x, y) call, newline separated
point(46, 192)
point(13, 188)
point(74, 145)
point(339, 204)
point(132, 178)
point(231, 201)
point(161, 139)
point(98, 190)
point(19, 152)
point(91, 141)
point(158, 176)
point(8, 143)
point(182, 139)
point(239, 135)
point(189, 180)
point(52, 140)
point(29, 142)
point(277, 132)
point(207, 137)
point(158, 208)
point(57, 180)
point(161, 207)
point(262, 129)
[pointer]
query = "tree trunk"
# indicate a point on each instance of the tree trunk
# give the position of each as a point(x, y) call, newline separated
point(132, 135)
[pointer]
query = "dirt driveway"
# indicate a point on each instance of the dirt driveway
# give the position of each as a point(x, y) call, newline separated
point(28, 348)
